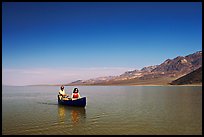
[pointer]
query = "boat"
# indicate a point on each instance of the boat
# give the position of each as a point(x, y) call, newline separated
point(80, 102)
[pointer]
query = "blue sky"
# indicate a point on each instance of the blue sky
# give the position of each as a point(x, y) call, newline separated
point(68, 39)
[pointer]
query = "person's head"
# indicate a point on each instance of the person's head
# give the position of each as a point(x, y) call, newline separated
point(62, 87)
point(76, 90)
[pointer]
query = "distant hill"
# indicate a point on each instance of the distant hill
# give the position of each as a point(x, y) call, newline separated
point(194, 77)
point(162, 74)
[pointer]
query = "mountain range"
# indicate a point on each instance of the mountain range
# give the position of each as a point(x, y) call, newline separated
point(164, 74)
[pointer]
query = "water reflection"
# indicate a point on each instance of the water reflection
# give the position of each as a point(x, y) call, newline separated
point(61, 113)
point(76, 114)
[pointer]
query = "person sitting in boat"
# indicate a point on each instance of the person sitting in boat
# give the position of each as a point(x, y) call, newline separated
point(62, 93)
point(75, 94)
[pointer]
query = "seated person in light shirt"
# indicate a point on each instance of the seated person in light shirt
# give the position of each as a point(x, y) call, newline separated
point(62, 93)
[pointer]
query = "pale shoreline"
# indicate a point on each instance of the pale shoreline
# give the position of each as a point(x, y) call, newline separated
point(168, 85)
point(139, 85)
point(114, 85)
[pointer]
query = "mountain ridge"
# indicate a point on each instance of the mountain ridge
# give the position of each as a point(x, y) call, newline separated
point(195, 77)
point(164, 73)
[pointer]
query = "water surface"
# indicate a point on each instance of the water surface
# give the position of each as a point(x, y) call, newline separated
point(123, 110)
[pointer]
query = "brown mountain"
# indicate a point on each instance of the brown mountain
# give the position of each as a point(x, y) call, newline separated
point(162, 74)
point(195, 77)
point(181, 64)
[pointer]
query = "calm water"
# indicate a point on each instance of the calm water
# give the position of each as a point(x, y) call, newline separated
point(110, 110)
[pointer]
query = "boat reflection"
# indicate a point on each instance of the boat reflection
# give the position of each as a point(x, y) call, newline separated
point(76, 114)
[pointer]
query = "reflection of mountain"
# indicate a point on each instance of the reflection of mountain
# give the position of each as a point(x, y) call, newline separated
point(76, 114)
point(164, 73)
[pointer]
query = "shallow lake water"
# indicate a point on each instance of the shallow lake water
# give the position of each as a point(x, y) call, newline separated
point(117, 110)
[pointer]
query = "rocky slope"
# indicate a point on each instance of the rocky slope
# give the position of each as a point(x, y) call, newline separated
point(194, 77)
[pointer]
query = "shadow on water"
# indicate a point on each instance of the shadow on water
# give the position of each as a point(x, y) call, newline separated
point(76, 114)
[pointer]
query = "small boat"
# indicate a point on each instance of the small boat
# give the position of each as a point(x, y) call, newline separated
point(80, 102)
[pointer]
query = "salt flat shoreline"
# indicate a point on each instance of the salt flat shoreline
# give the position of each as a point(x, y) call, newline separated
point(110, 85)
point(125, 85)
point(138, 85)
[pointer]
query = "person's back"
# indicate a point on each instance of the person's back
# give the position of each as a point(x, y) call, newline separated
point(75, 94)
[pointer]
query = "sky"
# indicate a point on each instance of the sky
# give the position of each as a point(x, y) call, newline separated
point(60, 42)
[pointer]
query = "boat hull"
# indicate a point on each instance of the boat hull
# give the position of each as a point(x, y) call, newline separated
point(81, 102)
